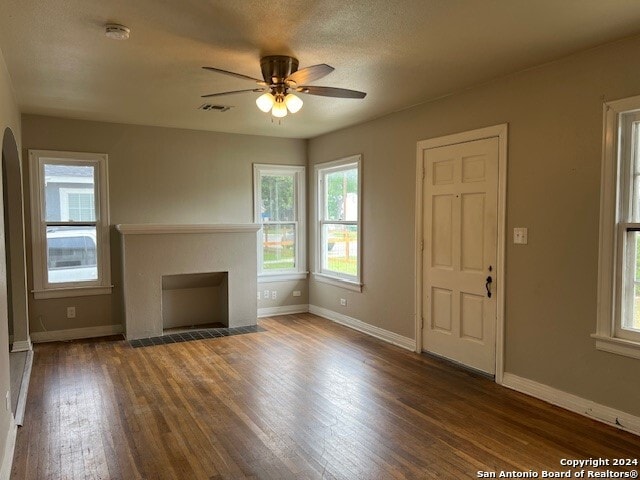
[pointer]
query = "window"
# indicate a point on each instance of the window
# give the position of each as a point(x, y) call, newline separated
point(618, 329)
point(338, 230)
point(70, 224)
point(279, 207)
point(77, 204)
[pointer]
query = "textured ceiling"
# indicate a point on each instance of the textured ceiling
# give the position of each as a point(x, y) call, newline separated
point(401, 52)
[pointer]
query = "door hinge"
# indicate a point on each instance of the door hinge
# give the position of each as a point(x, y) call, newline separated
point(423, 173)
point(422, 324)
point(422, 245)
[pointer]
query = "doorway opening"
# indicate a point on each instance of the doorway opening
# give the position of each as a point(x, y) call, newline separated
point(16, 280)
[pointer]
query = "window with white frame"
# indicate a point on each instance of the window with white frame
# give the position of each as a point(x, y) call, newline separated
point(77, 204)
point(279, 197)
point(618, 329)
point(338, 229)
point(70, 224)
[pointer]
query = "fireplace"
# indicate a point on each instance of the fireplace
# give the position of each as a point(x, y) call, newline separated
point(195, 299)
point(178, 274)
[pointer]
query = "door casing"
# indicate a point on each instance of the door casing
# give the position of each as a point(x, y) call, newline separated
point(500, 132)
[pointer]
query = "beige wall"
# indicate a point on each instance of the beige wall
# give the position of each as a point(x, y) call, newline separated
point(285, 291)
point(156, 175)
point(555, 131)
point(9, 118)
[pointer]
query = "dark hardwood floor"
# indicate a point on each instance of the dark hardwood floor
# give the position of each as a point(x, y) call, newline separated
point(304, 399)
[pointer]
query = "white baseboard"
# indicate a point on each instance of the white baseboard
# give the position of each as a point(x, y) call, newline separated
point(568, 401)
point(76, 333)
point(10, 445)
point(22, 346)
point(24, 389)
point(284, 310)
point(382, 334)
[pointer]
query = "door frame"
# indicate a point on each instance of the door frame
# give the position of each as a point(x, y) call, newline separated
point(500, 132)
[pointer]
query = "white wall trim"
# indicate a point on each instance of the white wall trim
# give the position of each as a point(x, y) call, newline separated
point(22, 346)
point(616, 191)
point(319, 171)
point(501, 132)
point(610, 416)
point(282, 277)
point(620, 346)
point(382, 334)
point(283, 310)
point(338, 282)
point(10, 445)
point(24, 389)
point(72, 292)
point(99, 161)
point(299, 173)
point(76, 333)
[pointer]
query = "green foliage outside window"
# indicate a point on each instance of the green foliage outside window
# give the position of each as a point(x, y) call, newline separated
point(339, 184)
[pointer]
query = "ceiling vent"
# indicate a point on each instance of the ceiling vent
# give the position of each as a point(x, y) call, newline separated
point(207, 107)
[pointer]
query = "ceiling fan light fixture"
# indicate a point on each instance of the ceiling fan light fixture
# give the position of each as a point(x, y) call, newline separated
point(282, 81)
point(293, 102)
point(279, 109)
point(265, 102)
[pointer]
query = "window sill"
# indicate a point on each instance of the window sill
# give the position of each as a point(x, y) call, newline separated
point(71, 292)
point(338, 282)
point(282, 277)
point(619, 346)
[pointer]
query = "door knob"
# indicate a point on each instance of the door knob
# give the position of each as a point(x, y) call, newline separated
point(488, 285)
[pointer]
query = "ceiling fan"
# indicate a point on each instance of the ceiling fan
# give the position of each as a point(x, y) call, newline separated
point(281, 78)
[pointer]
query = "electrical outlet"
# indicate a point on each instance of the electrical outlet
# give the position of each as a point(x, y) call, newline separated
point(520, 235)
point(266, 294)
point(343, 302)
point(296, 293)
point(71, 312)
point(274, 294)
point(258, 295)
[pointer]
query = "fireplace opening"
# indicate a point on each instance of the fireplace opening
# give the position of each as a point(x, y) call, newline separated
point(195, 300)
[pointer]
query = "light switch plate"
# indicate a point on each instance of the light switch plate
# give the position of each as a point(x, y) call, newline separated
point(520, 235)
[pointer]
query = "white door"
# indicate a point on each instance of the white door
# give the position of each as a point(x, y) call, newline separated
point(460, 203)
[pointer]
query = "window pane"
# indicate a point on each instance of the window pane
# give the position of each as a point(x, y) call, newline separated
point(278, 198)
point(279, 246)
point(340, 249)
point(632, 320)
point(635, 193)
point(81, 207)
point(634, 323)
point(69, 193)
point(71, 254)
point(342, 195)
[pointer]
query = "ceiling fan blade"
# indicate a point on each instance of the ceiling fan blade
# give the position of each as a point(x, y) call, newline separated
point(310, 74)
point(233, 74)
point(331, 92)
point(232, 92)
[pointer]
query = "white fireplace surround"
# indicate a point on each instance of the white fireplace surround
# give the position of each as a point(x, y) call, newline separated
point(151, 251)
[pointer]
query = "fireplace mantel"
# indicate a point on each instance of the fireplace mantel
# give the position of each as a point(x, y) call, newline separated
point(152, 251)
point(151, 228)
